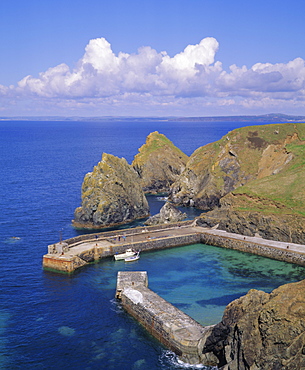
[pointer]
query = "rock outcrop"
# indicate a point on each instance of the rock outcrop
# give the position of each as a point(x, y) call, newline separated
point(168, 213)
point(159, 163)
point(241, 156)
point(286, 228)
point(262, 331)
point(111, 195)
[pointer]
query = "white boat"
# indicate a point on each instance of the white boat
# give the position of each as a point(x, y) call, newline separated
point(128, 253)
point(133, 258)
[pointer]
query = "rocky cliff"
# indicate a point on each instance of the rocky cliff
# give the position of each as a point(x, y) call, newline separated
point(262, 331)
point(272, 205)
point(159, 163)
point(241, 156)
point(273, 226)
point(111, 195)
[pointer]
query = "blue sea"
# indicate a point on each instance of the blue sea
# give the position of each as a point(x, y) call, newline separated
point(55, 321)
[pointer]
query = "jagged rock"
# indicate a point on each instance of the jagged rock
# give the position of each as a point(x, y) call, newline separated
point(243, 155)
point(287, 228)
point(159, 163)
point(168, 213)
point(262, 331)
point(111, 195)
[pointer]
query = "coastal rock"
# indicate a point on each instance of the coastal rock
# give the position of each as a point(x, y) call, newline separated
point(241, 156)
point(285, 228)
point(272, 207)
point(159, 163)
point(262, 331)
point(111, 195)
point(168, 213)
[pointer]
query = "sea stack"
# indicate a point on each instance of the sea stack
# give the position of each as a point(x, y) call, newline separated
point(111, 195)
point(159, 163)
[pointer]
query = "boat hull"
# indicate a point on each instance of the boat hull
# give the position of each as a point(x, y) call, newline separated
point(127, 254)
point(132, 258)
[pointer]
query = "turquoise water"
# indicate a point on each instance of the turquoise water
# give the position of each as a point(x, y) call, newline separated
point(53, 321)
point(202, 280)
point(85, 321)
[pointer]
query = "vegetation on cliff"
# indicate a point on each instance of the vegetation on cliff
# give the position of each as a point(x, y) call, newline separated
point(271, 203)
point(252, 182)
point(111, 195)
point(241, 156)
point(159, 163)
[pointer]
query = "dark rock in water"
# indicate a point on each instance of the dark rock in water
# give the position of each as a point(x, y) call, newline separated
point(261, 331)
point(168, 213)
point(159, 163)
point(111, 195)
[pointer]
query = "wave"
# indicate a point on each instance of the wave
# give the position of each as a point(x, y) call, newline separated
point(169, 360)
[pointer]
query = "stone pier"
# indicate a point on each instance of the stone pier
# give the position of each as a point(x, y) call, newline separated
point(173, 328)
point(71, 254)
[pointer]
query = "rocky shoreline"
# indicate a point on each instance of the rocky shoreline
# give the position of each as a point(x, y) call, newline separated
point(251, 182)
point(262, 331)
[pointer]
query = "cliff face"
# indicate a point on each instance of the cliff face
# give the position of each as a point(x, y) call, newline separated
point(158, 163)
point(262, 331)
point(111, 195)
point(273, 204)
point(280, 226)
point(243, 155)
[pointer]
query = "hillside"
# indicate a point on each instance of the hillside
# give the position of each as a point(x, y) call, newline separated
point(268, 183)
point(240, 157)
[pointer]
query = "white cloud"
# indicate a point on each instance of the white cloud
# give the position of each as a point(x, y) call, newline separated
point(272, 78)
point(190, 78)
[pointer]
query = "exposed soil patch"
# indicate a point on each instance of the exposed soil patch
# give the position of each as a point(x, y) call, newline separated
point(256, 142)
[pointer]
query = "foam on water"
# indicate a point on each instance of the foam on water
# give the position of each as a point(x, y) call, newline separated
point(169, 360)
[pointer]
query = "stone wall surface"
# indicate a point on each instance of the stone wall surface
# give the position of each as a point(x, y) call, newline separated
point(248, 246)
point(64, 265)
point(132, 231)
point(90, 248)
point(173, 328)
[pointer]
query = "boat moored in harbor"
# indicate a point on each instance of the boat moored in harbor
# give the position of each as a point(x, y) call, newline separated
point(128, 253)
point(133, 258)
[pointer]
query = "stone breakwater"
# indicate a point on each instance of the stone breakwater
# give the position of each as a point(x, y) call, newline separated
point(172, 327)
point(215, 345)
point(71, 254)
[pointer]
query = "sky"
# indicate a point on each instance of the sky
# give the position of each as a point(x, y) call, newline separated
point(151, 57)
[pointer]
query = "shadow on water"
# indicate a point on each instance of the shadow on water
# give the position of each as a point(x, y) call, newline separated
point(224, 300)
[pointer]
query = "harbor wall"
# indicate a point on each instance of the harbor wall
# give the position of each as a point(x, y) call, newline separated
point(69, 263)
point(132, 231)
point(105, 245)
point(164, 242)
point(172, 327)
point(63, 265)
point(246, 245)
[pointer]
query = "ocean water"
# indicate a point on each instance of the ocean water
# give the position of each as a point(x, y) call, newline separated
point(54, 321)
